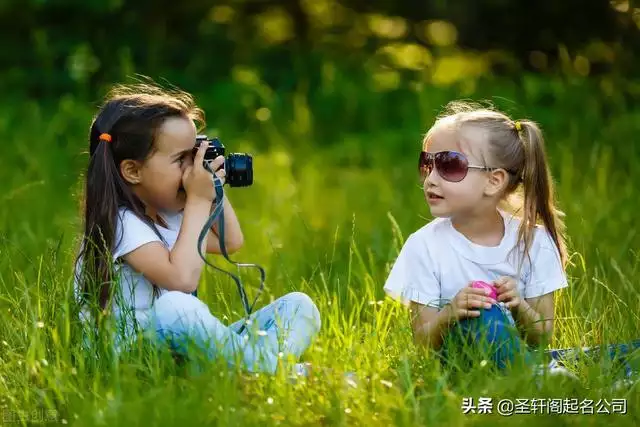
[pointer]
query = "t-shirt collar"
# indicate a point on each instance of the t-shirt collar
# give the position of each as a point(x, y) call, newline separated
point(485, 254)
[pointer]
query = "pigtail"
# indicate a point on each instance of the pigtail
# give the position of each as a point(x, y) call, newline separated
point(100, 210)
point(538, 190)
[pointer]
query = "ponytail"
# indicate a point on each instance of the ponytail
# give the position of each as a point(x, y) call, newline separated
point(539, 200)
point(100, 207)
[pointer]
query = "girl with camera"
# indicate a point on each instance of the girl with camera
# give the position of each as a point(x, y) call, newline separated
point(147, 198)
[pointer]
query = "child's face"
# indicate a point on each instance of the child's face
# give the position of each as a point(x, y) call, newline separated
point(160, 183)
point(451, 199)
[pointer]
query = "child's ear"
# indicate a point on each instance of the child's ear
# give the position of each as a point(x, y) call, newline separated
point(130, 170)
point(497, 183)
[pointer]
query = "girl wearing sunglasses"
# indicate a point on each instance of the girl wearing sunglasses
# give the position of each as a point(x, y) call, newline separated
point(478, 164)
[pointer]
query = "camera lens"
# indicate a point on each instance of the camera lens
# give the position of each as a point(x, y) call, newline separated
point(239, 170)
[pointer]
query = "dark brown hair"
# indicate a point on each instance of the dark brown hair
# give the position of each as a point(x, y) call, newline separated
point(131, 114)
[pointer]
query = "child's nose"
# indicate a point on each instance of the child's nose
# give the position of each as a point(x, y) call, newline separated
point(431, 178)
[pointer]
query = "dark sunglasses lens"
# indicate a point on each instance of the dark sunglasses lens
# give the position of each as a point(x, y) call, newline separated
point(424, 165)
point(451, 165)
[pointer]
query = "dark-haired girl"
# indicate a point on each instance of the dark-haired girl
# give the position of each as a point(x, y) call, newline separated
point(147, 199)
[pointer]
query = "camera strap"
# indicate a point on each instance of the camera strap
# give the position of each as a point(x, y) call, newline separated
point(218, 214)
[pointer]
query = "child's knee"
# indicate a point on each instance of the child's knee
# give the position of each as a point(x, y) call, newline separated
point(492, 325)
point(305, 308)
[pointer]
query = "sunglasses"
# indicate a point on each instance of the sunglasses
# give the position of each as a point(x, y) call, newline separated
point(451, 165)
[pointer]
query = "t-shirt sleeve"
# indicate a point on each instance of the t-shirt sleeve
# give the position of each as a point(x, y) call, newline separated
point(131, 233)
point(412, 277)
point(547, 272)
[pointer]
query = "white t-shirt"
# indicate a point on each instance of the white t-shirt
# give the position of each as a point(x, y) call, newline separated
point(135, 295)
point(437, 261)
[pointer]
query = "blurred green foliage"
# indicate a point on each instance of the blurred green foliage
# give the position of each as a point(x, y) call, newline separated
point(51, 47)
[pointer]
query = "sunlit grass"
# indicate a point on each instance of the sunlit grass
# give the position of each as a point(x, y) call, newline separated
point(335, 196)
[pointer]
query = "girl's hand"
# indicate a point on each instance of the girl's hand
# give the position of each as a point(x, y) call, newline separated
point(196, 180)
point(469, 298)
point(507, 290)
point(220, 173)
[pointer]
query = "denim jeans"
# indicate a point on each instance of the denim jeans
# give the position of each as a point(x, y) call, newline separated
point(492, 336)
point(281, 329)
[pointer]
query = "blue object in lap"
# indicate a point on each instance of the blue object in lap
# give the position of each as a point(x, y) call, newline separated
point(492, 336)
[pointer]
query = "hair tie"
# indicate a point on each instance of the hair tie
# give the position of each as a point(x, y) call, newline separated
point(105, 137)
point(518, 126)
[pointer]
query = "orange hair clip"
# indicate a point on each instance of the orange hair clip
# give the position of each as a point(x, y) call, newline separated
point(105, 137)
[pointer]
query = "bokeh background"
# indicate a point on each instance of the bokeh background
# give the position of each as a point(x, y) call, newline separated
point(331, 97)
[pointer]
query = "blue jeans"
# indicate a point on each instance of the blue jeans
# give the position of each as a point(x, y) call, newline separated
point(281, 329)
point(492, 336)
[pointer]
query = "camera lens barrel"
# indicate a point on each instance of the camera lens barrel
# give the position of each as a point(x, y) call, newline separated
point(239, 169)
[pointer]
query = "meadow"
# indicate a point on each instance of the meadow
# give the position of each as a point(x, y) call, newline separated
point(336, 193)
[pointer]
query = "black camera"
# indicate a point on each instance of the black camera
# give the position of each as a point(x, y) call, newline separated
point(238, 166)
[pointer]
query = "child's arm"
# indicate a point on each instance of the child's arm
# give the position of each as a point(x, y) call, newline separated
point(233, 238)
point(534, 316)
point(180, 268)
point(535, 312)
point(429, 325)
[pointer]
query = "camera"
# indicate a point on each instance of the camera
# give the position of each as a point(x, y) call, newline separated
point(238, 166)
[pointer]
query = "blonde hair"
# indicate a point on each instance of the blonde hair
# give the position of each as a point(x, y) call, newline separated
point(517, 147)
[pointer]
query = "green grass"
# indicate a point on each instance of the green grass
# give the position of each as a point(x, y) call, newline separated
point(336, 193)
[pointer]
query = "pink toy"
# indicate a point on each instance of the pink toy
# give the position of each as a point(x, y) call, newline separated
point(484, 285)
